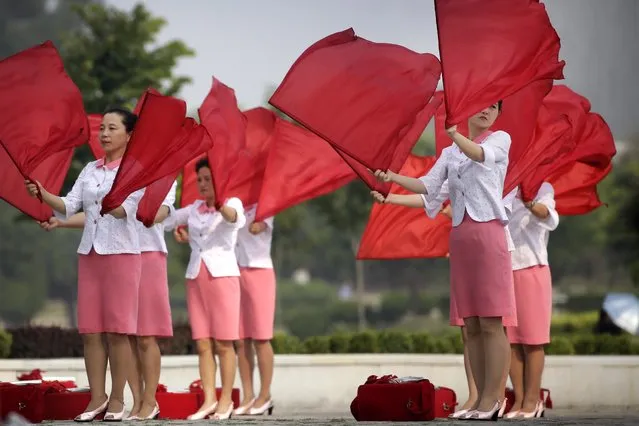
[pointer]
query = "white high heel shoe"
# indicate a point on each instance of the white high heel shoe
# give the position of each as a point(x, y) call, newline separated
point(154, 414)
point(492, 414)
point(89, 416)
point(243, 409)
point(114, 417)
point(457, 414)
point(259, 411)
point(203, 414)
point(223, 416)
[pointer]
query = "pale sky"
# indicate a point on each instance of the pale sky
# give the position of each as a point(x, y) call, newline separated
point(250, 44)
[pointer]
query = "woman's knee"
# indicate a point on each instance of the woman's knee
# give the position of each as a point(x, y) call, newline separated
point(491, 325)
point(204, 347)
point(92, 339)
point(224, 346)
point(117, 338)
point(471, 327)
point(146, 342)
point(532, 349)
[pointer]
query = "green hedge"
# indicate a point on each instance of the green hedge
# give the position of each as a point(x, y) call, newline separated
point(55, 342)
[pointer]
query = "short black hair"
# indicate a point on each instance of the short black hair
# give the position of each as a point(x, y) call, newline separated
point(128, 118)
point(201, 163)
point(499, 103)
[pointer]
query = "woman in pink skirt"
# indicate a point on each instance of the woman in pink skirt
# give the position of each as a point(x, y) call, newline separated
point(154, 315)
point(109, 267)
point(480, 264)
point(154, 310)
point(257, 312)
point(212, 288)
point(530, 226)
point(432, 209)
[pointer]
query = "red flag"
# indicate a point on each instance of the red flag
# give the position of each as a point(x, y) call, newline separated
point(396, 232)
point(226, 124)
point(491, 49)
point(367, 99)
point(576, 188)
point(95, 121)
point(50, 173)
point(589, 141)
point(42, 109)
point(162, 143)
point(519, 118)
point(247, 181)
point(300, 166)
point(42, 121)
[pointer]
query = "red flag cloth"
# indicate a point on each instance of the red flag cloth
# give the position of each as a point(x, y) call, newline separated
point(576, 188)
point(42, 109)
point(519, 118)
point(189, 192)
point(364, 98)
point(226, 124)
point(247, 181)
point(397, 232)
point(492, 49)
point(95, 121)
point(300, 166)
point(42, 120)
point(50, 173)
point(401, 152)
point(589, 141)
point(161, 144)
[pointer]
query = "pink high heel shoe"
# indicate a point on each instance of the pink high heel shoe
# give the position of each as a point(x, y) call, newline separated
point(223, 416)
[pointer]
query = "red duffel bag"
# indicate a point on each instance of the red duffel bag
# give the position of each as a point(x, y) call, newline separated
point(392, 399)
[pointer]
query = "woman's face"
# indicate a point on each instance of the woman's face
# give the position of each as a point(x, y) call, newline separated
point(486, 117)
point(205, 183)
point(113, 134)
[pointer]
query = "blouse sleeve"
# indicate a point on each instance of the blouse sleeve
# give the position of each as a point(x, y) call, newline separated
point(130, 205)
point(546, 196)
point(508, 201)
point(496, 148)
point(73, 200)
point(434, 206)
point(178, 218)
point(434, 180)
point(237, 205)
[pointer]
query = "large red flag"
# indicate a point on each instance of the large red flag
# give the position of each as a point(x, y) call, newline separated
point(95, 121)
point(226, 124)
point(576, 188)
point(246, 182)
point(367, 99)
point(589, 142)
point(491, 49)
point(42, 109)
point(50, 173)
point(300, 166)
point(162, 143)
point(397, 232)
point(42, 120)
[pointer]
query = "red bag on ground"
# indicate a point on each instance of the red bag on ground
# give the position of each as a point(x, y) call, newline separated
point(390, 399)
point(445, 402)
point(544, 395)
point(66, 405)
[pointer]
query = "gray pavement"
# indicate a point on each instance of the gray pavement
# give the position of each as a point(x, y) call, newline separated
point(554, 417)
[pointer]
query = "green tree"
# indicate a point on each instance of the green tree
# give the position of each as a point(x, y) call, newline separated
point(115, 56)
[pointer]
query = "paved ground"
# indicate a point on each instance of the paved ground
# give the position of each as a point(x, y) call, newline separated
point(555, 417)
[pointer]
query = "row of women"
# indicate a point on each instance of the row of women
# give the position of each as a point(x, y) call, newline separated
point(123, 292)
point(501, 292)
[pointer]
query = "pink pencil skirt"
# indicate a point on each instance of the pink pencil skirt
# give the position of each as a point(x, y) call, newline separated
point(214, 306)
point(257, 307)
point(154, 310)
point(108, 290)
point(481, 279)
point(533, 294)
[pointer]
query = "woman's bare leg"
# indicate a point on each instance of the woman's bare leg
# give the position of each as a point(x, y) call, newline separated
point(475, 346)
point(265, 362)
point(472, 388)
point(535, 357)
point(95, 363)
point(228, 364)
point(496, 357)
point(151, 360)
